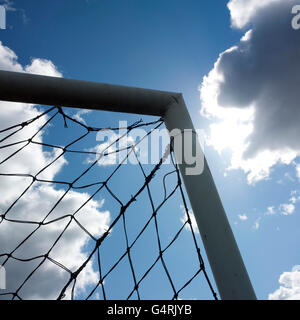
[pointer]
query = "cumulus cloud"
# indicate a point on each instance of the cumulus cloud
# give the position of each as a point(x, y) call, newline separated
point(252, 91)
point(8, 59)
point(42, 67)
point(70, 250)
point(9, 62)
point(290, 286)
point(242, 12)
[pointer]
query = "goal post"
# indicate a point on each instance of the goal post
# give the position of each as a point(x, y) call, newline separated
point(224, 257)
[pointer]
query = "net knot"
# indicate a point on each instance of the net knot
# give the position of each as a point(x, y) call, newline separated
point(64, 116)
point(133, 198)
point(74, 275)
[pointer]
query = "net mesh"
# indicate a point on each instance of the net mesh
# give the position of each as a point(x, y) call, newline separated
point(59, 241)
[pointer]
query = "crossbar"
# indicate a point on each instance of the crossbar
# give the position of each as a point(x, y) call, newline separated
point(45, 90)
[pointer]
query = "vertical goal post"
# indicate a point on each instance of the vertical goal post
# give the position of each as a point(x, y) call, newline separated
point(224, 257)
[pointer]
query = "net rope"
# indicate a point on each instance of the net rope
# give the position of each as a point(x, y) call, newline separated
point(95, 242)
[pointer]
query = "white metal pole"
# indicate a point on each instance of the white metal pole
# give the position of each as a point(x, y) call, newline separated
point(228, 268)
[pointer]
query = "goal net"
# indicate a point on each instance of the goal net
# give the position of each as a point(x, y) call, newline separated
point(94, 208)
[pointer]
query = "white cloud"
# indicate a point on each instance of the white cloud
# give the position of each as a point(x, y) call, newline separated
point(42, 67)
point(70, 250)
point(252, 91)
point(270, 210)
point(243, 217)
point(286, 208)
point(290, 289)
point(257, 224)
point(78, 115)
point(293, 200)
point(242, 11)
point(289, 208)
point(192, 217)
point(289, 177)
point(8, 59)
point(295, 196)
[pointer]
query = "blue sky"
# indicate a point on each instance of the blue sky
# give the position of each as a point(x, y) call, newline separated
point(171, 45)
